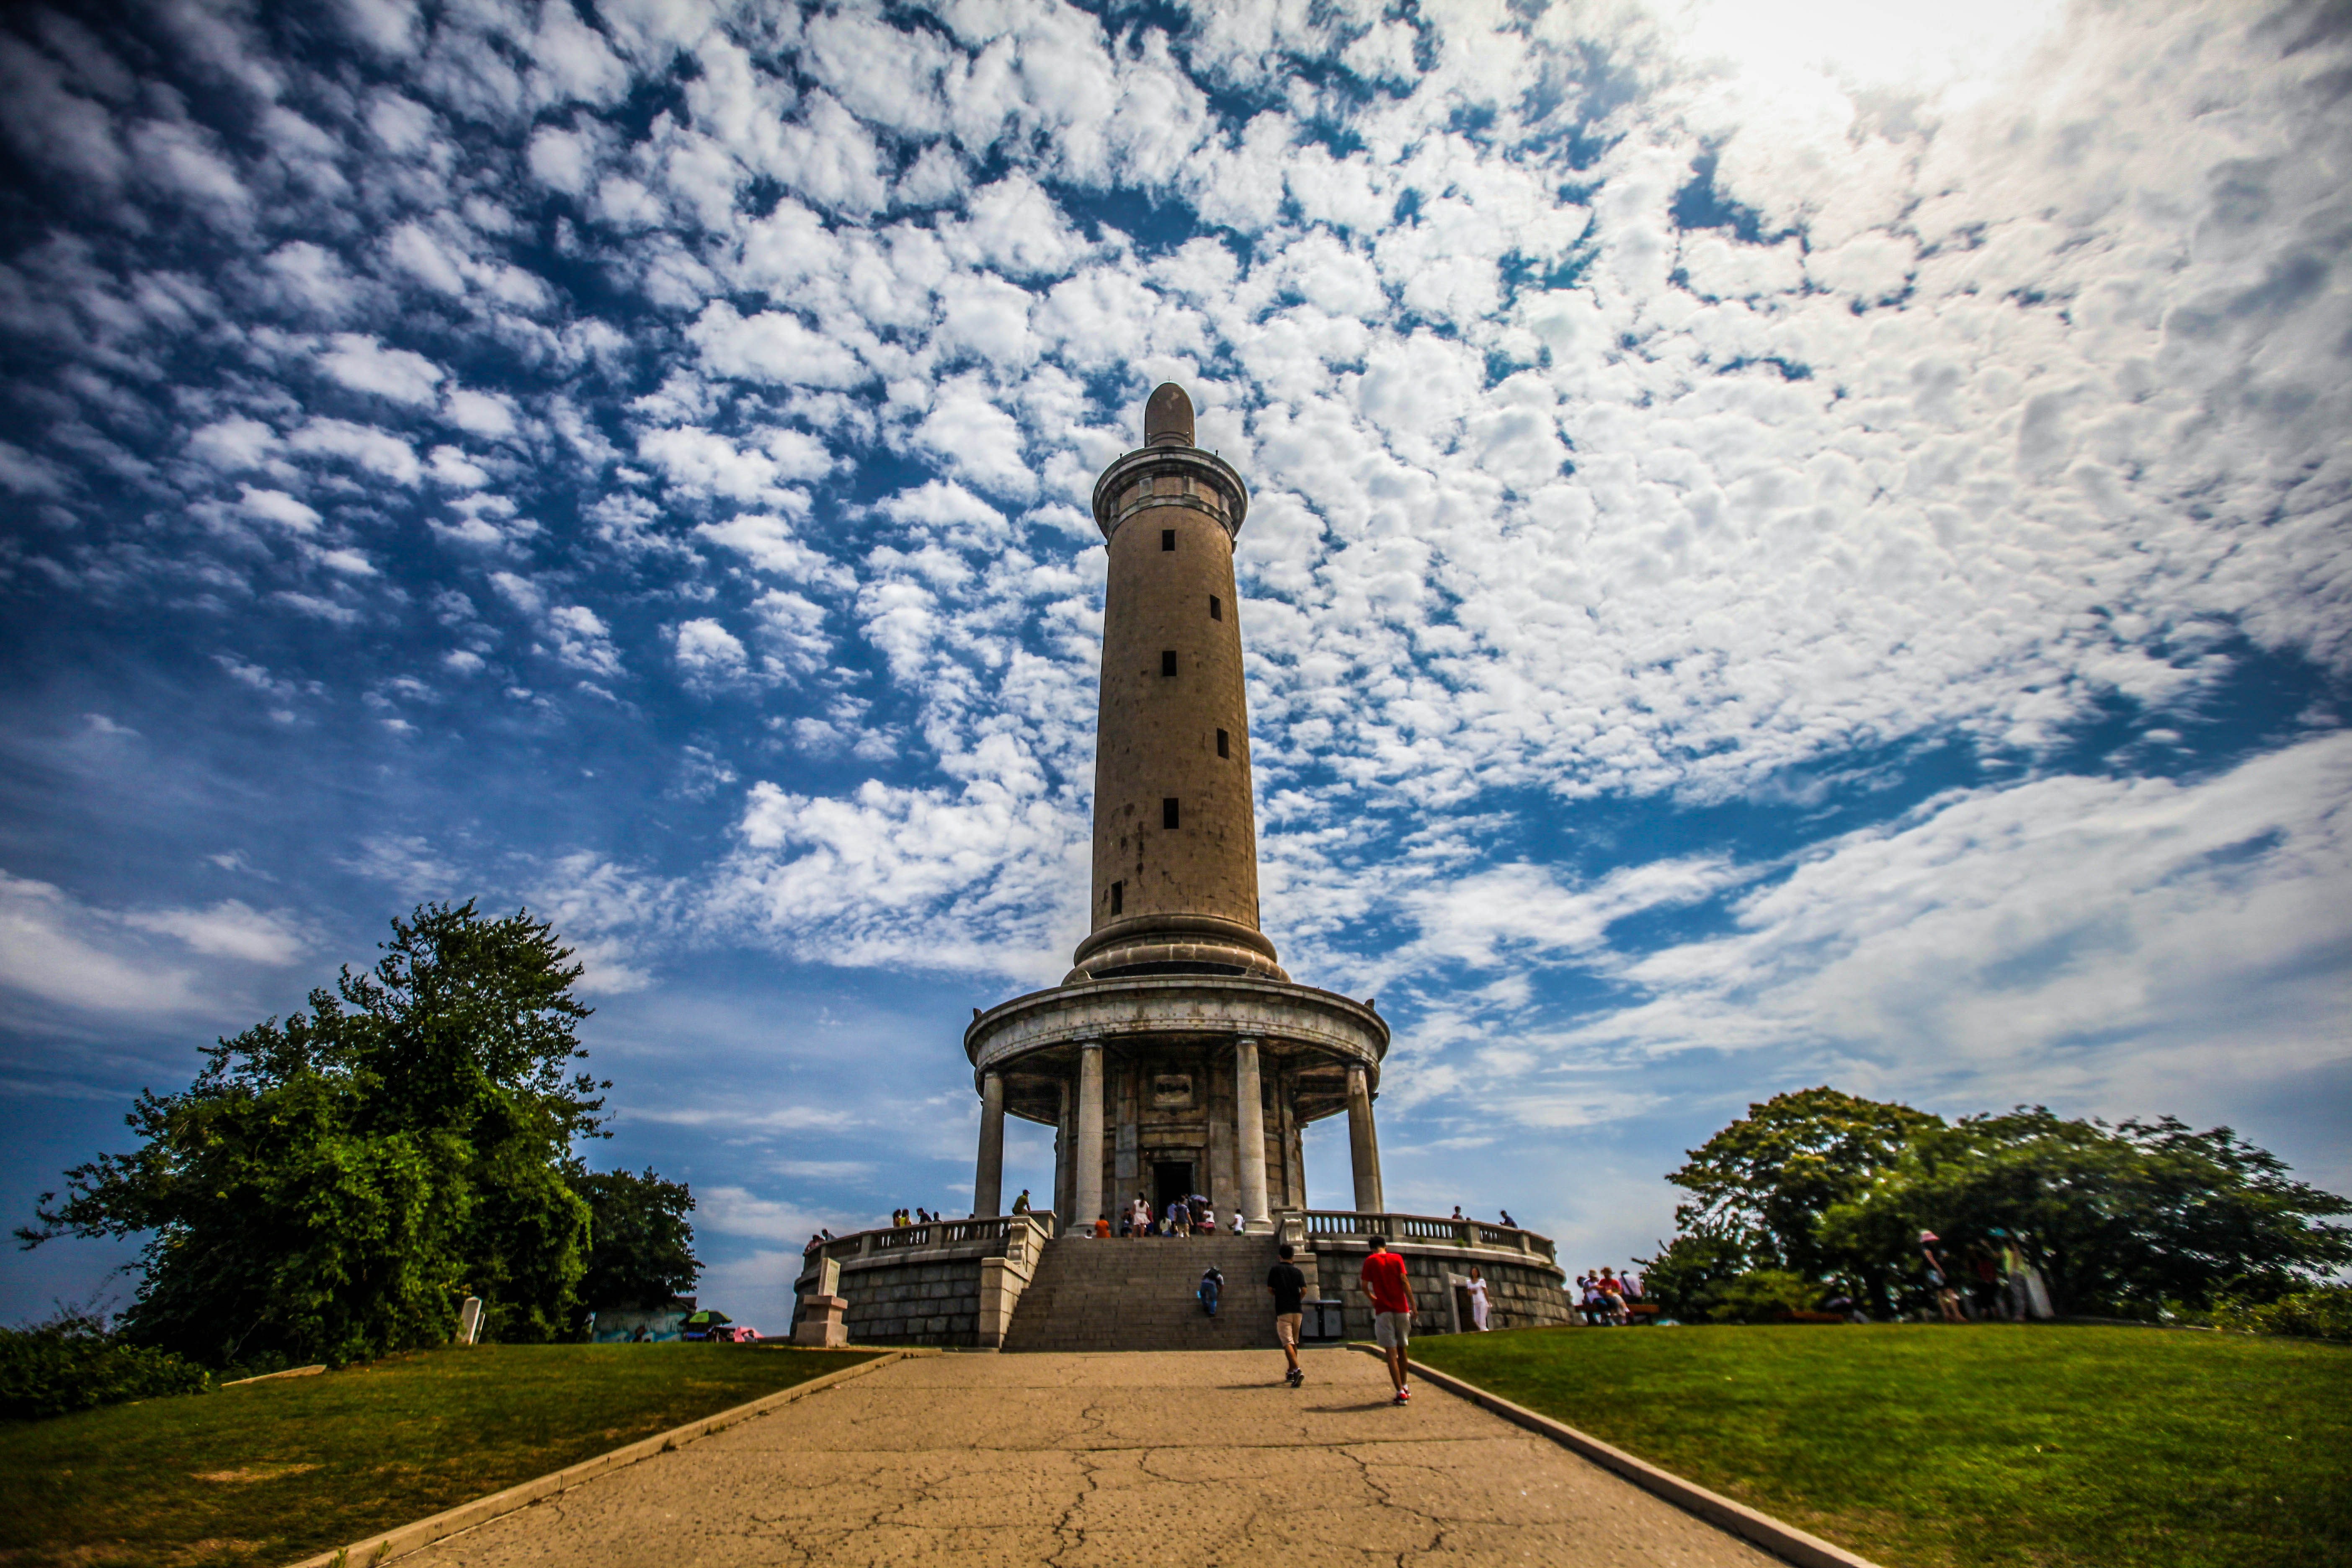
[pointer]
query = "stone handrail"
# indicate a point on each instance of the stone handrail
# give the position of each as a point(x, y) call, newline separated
point(1417, 1227)
point(1021, 1233)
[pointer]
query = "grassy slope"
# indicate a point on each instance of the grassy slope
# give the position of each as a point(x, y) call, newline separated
point(306, 1464)
point(1985, 1446)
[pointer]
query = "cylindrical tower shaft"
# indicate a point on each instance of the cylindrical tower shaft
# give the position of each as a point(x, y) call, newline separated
point(1175, 862)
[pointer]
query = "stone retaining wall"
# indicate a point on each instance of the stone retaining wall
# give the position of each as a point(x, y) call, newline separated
point(1522, 1292)
point(953, 1292)
point(913, 1302)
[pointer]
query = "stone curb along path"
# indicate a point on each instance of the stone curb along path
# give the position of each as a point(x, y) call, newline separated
point(1783, 1540)
point(425, 1532)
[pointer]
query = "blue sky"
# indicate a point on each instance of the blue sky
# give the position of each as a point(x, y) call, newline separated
point(1791, 543)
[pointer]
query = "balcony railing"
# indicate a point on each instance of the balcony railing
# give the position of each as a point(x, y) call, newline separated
point(1425, 1229)
point(1018, 1232)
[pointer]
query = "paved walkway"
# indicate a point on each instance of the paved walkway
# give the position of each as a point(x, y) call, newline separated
point(1164, 1460)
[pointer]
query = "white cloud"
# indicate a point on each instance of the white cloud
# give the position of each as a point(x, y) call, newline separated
point(977, 440)
point(2064, 939)
point(409, 863)
point(520, 592)
point(312, 279)
point(414, 249)
point(229, 929)
point(50, 947)
point(61, 951)
point(708, 654)
point(364, 364)
point(769, 543)
point(378, 451)
point(736, 1210)
point(754, 470)
point(27, 475)
point(974, 880)
point(562, 160)
point(582, 640)
point(795, 627)
point(1514, 914)
point(231, 443)
point(278, 507)
point(772, 347)
point(491, 415)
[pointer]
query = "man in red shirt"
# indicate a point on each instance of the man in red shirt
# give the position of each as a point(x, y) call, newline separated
point(1384, 1279)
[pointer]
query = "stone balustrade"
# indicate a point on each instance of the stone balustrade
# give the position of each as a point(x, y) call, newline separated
point(1301, 1226)
point(1023, 1231)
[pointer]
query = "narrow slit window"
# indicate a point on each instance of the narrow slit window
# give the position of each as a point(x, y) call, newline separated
point(1118, 896)
point(1216, 608)
point(1167, 539)
point(1168, 661)
point(1168, 814)
point(1225, 744)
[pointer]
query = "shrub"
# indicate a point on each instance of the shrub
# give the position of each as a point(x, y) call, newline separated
point(2325, 1313)
point(1762, 1296)
point(70, 1363)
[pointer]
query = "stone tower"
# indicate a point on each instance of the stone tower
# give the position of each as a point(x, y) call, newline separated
point(1175, 865)
point(1177, 1057)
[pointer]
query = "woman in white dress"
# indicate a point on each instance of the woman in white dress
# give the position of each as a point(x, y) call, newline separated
point(1477, 1300)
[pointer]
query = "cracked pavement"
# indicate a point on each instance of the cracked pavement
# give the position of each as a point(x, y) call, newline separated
point(1162, 1457)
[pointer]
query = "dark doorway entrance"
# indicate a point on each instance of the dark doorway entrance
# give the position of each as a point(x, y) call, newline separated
point(1171, 1180)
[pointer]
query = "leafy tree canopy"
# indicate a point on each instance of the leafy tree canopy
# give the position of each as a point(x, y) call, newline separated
point(643, 1247)
point(2142, 1212)
point(1822, 1186)
point(1764, 1181)
point(331, 1186)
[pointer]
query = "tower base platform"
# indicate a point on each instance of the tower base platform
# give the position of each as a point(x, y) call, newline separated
point(1011, 1284)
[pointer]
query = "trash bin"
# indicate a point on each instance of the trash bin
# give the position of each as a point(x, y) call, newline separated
point(1320, 1322)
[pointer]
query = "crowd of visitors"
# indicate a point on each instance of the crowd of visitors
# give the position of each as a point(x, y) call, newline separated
point(1988, 1280)
point(1606, 1299)
point(1190, 1216)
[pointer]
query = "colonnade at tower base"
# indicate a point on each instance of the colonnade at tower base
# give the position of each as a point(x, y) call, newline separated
point(968, 1283)
point(1164, 1086)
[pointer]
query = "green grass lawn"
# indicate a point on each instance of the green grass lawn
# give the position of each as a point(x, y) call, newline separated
point(275, 1471)
point(1923, 1446)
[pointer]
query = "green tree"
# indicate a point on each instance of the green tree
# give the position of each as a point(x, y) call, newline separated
point(643, 1250)
point(1688, 1274)
point(2115, 1216)
point(329, 1187)
point(1763, 1182)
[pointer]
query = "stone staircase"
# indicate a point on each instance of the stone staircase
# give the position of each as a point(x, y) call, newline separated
point(1089, 1295)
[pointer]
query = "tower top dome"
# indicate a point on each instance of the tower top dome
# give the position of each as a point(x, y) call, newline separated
point(1168, 417)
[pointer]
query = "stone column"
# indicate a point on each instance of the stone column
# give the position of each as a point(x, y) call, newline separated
point(1065, 1174)
point(1249, 1127)
point(1089, 1203)
point(987, 1177)
point(1363, 1143)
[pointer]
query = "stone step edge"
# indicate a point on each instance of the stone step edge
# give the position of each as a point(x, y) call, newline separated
point(1782, 1539)
point(424, 1532)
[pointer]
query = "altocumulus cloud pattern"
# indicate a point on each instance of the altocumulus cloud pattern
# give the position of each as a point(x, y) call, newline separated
point(1791, 542)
